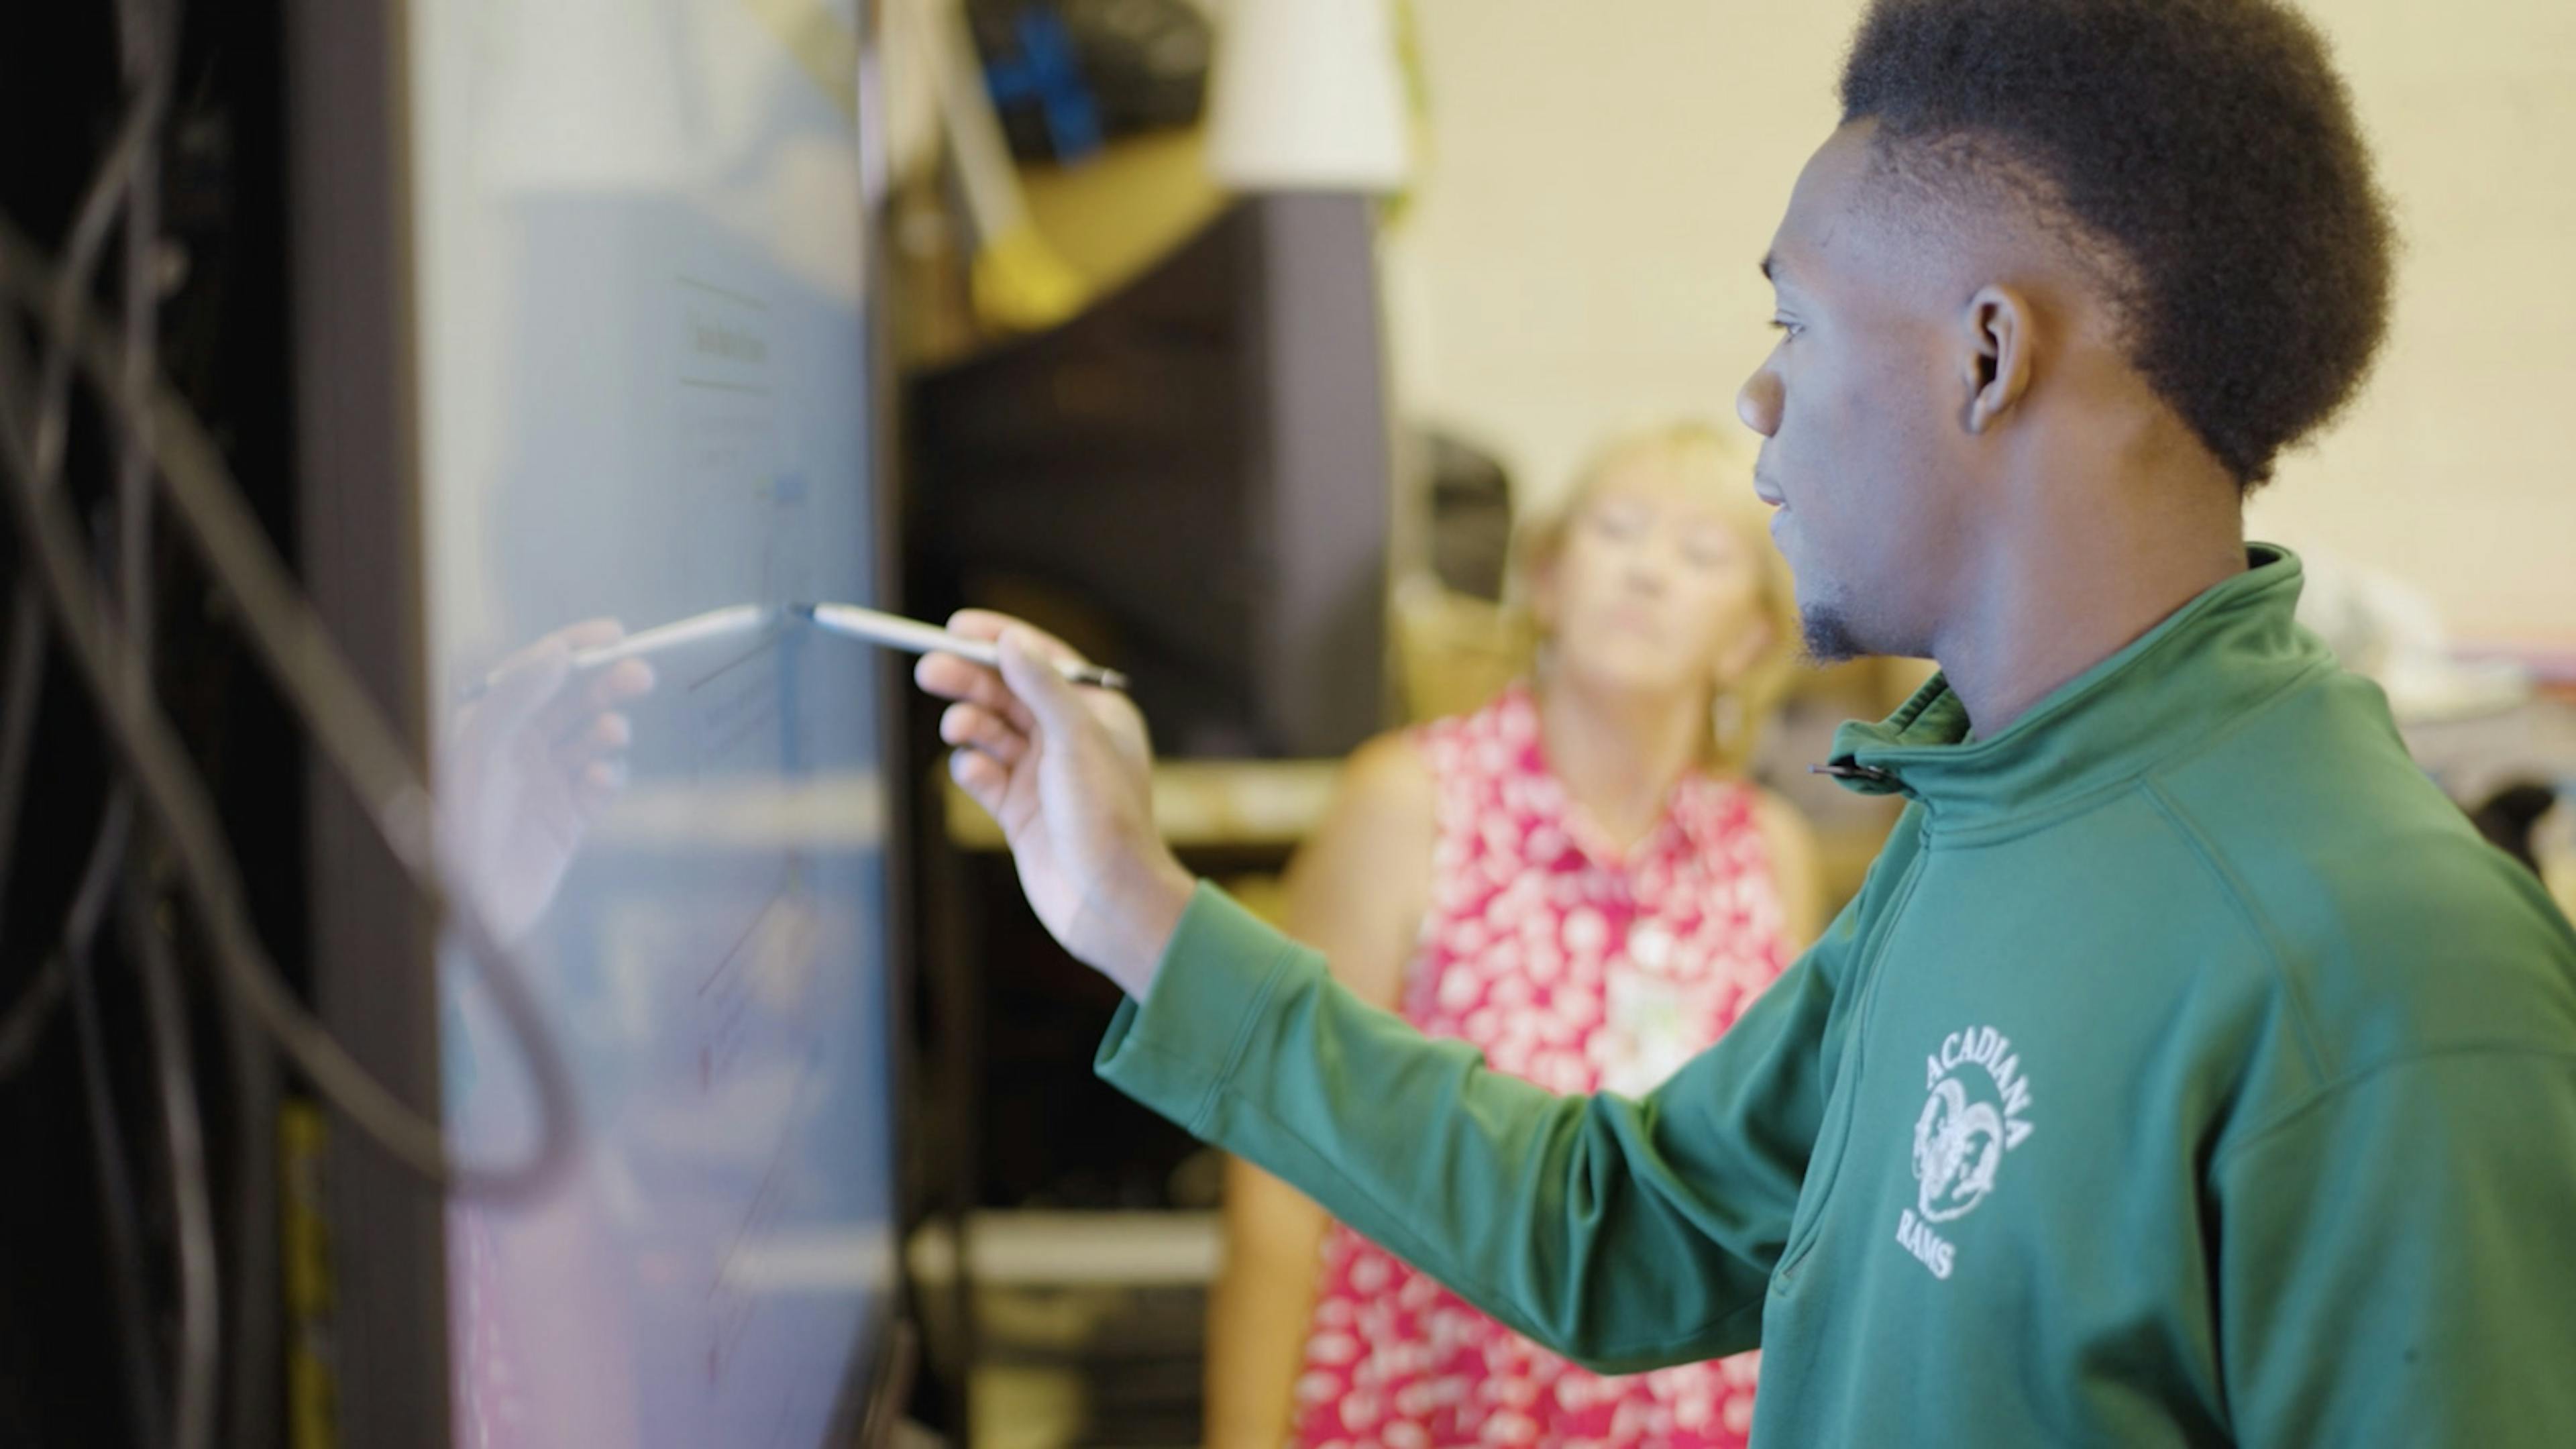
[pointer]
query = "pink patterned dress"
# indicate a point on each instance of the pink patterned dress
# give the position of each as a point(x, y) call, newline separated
point(1581, 969)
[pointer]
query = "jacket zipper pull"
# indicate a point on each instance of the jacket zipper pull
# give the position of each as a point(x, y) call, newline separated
point(1861, 774)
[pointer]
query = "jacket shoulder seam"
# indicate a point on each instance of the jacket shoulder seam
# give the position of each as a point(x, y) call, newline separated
point(2319, 1096)
point(2231, 885)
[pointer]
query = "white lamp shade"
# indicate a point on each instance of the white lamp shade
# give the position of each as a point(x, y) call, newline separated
point(1307, 96)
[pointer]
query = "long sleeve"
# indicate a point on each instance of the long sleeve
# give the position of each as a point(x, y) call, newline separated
point(1623, 1234)
point(2397, 1264)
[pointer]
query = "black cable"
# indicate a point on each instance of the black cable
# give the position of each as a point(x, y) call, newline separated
point(93, 218)
point(91, 224)
point(22, 1032)
point(149, 35)
point(169, 784)
point(192, 1406)
point(114, 658)
point(147, 42)
point(67, 971)
point(24, 1028)
point(127, 174)
point(352, 735)
point(119, 1214)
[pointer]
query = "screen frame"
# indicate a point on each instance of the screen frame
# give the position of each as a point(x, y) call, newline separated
point(375, 1369)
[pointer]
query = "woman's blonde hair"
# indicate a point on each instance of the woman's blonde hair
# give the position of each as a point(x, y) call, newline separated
point(1698, 452)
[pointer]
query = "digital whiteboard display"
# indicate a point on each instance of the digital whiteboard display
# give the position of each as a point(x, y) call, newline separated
point(643, 394)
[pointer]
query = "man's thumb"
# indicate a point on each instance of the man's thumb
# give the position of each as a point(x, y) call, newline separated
point(1032, 676)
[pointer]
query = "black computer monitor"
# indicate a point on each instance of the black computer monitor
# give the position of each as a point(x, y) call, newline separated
point(1191, 478)
point(587, 313)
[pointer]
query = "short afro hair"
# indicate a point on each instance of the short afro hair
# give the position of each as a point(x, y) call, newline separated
point(2208, 145)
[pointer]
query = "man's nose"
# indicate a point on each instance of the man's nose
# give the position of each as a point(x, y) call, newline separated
point(1758, 402)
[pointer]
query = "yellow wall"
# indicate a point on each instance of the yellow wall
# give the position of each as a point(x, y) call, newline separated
point(1579, 258)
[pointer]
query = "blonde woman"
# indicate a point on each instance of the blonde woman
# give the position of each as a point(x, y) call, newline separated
point(1578, 880)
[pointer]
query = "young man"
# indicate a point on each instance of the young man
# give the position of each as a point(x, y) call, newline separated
point(2187, 1071)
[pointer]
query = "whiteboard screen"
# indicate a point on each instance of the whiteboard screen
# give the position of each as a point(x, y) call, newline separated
point(643, 384)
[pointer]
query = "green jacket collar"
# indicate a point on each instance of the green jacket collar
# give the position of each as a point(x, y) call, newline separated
point(2220, 654)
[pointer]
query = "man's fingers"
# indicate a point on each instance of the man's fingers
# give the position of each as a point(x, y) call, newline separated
point(621, 683)
point(592, 633)
point(983, 780)
point(1029, 669)
point(521, 687)
point(972, 726)
point(985, 624)
point(979, 623)
point(949, 677)
point(607, 734)
point(572, 638)
point(596, 788)
point(627, 679)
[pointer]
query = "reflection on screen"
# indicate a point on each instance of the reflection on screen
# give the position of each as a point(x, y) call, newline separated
point(643, 374)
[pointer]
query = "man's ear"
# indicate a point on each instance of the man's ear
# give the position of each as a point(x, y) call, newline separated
point(1997, 352)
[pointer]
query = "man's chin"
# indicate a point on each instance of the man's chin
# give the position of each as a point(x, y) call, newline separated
point(1829, 636)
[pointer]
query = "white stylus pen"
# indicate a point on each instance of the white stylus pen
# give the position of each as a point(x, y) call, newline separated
point(896, 632)
point(697, 628)
point(848, 620)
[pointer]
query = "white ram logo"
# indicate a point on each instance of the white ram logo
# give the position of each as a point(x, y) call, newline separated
point(1958, 1147)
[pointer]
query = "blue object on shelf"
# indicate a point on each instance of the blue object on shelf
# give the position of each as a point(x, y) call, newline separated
point(1047, 73)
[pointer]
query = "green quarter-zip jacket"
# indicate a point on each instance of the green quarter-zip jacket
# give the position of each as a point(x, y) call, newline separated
point(2186, 1072)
